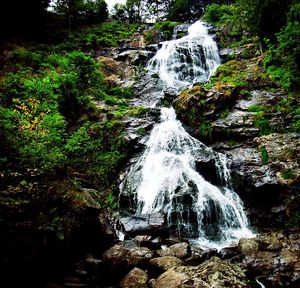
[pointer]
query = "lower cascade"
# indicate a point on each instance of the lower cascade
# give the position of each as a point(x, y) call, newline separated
point(165, 178)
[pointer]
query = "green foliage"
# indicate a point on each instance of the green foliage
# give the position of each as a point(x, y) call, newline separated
point(256, 108)
point(282, 59)
point(264, 155)
point(43, 100)
point(111, 201)
point(288, 174)
point(166, 27)
point(138, 111)
point(224, 113)
point(185, 10)
point(262, 123)
point(218, 14)
point(205, 128)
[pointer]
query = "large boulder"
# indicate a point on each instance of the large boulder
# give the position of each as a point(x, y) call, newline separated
point(126, 257)
point(136, 278)
point(134, 57)
point(212, 273)
point(248, 246)
point(179, 250)
point(148, 224)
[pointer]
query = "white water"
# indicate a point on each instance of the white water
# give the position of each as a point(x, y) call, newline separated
point(164, 179)
point(190, 59)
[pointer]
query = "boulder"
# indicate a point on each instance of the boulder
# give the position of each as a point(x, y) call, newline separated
point(136, 278)
point(212, 273)
point(248, 246)
point(166, 262)
point(122, 257)
point(134, 57)
point(148, 224)
point(173, 279)
point(179, 250)
point(199, 255)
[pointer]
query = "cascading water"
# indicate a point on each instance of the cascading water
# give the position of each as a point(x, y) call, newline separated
point(165, 178)
point(190, 59)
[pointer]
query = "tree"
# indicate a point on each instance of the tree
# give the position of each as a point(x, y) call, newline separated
point(94, 10)
point(182, 10)
point(263, 18)
point(20, 18)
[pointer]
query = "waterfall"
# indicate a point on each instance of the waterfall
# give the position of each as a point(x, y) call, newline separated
point(165, 178)
point(190, 59)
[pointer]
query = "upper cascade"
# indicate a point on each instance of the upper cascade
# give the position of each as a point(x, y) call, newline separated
point(187, 60)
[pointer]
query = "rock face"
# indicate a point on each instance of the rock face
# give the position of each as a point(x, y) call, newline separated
point(212, 273)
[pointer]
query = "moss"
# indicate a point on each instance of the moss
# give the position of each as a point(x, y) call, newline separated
point(256, 108)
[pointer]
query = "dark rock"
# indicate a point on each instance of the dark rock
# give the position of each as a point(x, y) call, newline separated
point(153, 224)
point(134, 57)
point(199, 255)
point(227, 54)
point(152, 48)
point(228, 253)
point(147, 241)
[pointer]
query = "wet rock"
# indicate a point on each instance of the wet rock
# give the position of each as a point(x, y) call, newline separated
point(166, 262)
point(212, 273)
point(153, 224)
point(152, 47)
point(227, 54)
point(248, 246)
point(134, 57)
point(228, 253)
point(136, 278)
point(147, 241)
point(179, 250)
point(120, 257)
point(199, 255)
